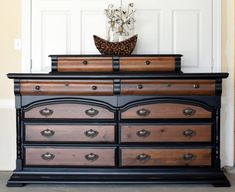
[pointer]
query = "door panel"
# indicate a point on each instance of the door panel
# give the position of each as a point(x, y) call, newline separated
point(163, 26)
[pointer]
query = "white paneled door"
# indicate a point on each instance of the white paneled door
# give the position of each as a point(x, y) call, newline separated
point(163, 26)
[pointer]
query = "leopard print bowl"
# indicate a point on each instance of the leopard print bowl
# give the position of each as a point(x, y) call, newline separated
point(115, 48)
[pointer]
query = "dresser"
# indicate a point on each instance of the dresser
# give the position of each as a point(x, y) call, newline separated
point(118, 120)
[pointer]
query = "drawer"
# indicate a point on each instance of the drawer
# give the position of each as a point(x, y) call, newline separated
point(165, 133)
point(84, 64)
point(168, 87)
point(145, 64)
point(69, 111)
point(66, 87)
point(165, 157)
point(58, 156)
point(69, 133)
point(165, 111)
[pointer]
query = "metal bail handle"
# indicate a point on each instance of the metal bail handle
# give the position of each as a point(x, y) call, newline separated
point(47, 133)
point(47, 156)
point(91, 112)
point(143, 133)
point(91, 157)
point(143, 157)
point(143, 112)
point(46, 112)
point(91, 133)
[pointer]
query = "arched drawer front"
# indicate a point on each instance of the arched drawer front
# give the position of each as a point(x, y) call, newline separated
point(69, 111)
point(165, 111)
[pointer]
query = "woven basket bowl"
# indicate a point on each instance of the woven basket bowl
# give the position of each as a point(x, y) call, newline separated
point(125, 47)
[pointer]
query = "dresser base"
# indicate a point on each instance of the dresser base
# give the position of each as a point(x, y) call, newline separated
point(19, 179)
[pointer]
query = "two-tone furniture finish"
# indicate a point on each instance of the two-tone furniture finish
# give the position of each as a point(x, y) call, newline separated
point(118, 120)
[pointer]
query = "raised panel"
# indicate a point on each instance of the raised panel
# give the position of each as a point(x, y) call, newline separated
point(186, 36)
point(148, 30)
point(54, 22)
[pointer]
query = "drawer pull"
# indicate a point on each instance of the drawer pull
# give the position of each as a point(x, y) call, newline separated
point(37, 87)
point(189, 112)
point(94, 87)
point(189, 157)
point(189, 133)
point(143, 112)
point(143, 133)
point(140, 86)
point(196, 86)
point(46, 112)
point(91, 133)
point(47, 133)
point(143, 157)
point(147, 62)
point(47, 156)
point(91, 157)
point(92, 112)
point(85, 62)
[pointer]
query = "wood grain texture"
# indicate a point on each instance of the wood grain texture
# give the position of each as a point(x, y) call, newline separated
point(165, 111)
point(68, 111)
point(66, 87)
point(70, 133)
point(165, 157)
point(69, 156)
point(85, 64)
point(168, 87)
point(138, 64)
point(165, 133)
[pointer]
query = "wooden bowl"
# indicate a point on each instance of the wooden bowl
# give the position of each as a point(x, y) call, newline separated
point(125, 47)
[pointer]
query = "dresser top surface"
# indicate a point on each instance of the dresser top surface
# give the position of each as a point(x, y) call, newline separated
point(133, 55)
point(117, 75)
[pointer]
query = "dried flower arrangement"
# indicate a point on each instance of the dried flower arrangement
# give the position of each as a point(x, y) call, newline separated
point(121, 22)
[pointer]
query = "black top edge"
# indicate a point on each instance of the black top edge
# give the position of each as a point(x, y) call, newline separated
point(134, 55)
point(117, 75)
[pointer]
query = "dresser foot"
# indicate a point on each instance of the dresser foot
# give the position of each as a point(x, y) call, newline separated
point(223, 184)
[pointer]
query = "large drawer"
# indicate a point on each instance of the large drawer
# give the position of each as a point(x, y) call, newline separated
point(69, 111)
point(168, 87)
point(146, 64)
point(165, 111)
point(69, 133)
point(165, 157)
point(165, 133)
point(60, 156)
point(84, 64)
point(66, 87)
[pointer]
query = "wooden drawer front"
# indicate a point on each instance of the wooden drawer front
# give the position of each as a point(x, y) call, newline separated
point(85, 64)
point(69, 133)
point(165, 133)
point(165, 157)
point(69, 111)
point(70, 156)
point(165, 111)
point(147, 64)
point(168, 87)
point(63, 87)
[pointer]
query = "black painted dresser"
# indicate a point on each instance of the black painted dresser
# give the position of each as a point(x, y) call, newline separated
point(124, 120)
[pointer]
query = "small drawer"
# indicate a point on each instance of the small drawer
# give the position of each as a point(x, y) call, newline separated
point(165, 111)
point(84, 64)
point(165, 157)
point(66, 87)
point(168, 87)
point(58, 156)
point(69, 111)
point(69, 133)
point(165, 133)
point(145, 64)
